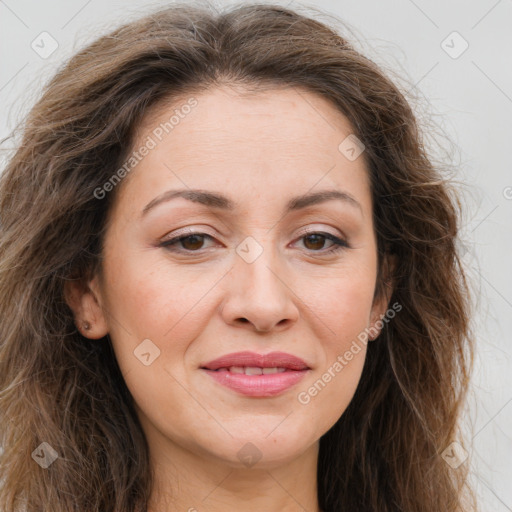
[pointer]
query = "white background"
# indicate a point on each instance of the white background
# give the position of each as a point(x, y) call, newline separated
point(469, 97)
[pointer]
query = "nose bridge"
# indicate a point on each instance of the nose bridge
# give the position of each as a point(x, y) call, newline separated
point(257, 264)
point(257, 291)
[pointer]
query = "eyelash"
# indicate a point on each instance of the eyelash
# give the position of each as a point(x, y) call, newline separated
point(338, 243)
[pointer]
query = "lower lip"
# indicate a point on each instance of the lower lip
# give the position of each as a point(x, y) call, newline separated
point(269, 384)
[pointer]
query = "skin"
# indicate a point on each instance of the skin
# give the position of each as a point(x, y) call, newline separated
point(258, 150)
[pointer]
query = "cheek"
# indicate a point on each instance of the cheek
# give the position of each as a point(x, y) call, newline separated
point(151, 300)
point(351, 318)
point(344, 308)
point(327, 397)
point(171, 310)
point(342, 304)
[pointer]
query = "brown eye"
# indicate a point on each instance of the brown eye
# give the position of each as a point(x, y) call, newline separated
point(192, 243)
point(315, 242)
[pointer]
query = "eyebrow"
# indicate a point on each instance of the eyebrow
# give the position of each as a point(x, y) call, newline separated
point(215, 200)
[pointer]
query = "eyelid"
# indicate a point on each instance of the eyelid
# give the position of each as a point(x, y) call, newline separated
point(187, 232)
point(312, 229)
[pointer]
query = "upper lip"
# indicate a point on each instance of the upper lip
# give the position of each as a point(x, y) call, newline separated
point(270, 360)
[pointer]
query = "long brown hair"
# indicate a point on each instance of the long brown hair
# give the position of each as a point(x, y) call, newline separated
point(384, 454)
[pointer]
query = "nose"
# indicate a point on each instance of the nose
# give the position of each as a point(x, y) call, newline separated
point(259, 296)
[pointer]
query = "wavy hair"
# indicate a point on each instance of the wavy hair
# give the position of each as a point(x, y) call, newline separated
point(384, 454)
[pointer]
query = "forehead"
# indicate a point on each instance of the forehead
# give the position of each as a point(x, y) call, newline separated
point(233, 114)
point(267, 141)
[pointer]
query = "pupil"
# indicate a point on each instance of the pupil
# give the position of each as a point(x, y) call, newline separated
point(197, 239)
point(317, 238)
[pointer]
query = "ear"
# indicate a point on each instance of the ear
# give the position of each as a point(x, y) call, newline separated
point(383, 292)
point(85, 300)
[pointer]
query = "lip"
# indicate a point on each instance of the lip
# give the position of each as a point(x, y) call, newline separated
point(270, 360)
point(265, 385)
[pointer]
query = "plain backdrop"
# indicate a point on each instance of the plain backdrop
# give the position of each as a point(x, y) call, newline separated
point(455, 58)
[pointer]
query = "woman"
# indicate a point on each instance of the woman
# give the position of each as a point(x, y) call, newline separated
point(229, 280)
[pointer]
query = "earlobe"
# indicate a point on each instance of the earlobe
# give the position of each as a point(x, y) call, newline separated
point(84, 299)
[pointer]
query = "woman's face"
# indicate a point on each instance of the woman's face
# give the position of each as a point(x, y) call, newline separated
point(250, 279)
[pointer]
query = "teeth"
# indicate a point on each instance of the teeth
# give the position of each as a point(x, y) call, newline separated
point(252, 370)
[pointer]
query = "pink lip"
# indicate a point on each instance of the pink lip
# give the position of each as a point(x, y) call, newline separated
point(258, 385)
point(270, 360)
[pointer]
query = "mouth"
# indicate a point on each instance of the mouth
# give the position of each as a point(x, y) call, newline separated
point(257, 375)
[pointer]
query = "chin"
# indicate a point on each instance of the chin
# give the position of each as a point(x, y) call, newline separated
point(262, 447)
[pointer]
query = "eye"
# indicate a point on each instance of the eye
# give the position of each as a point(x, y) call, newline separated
point(314, 241)
point(192, 242)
